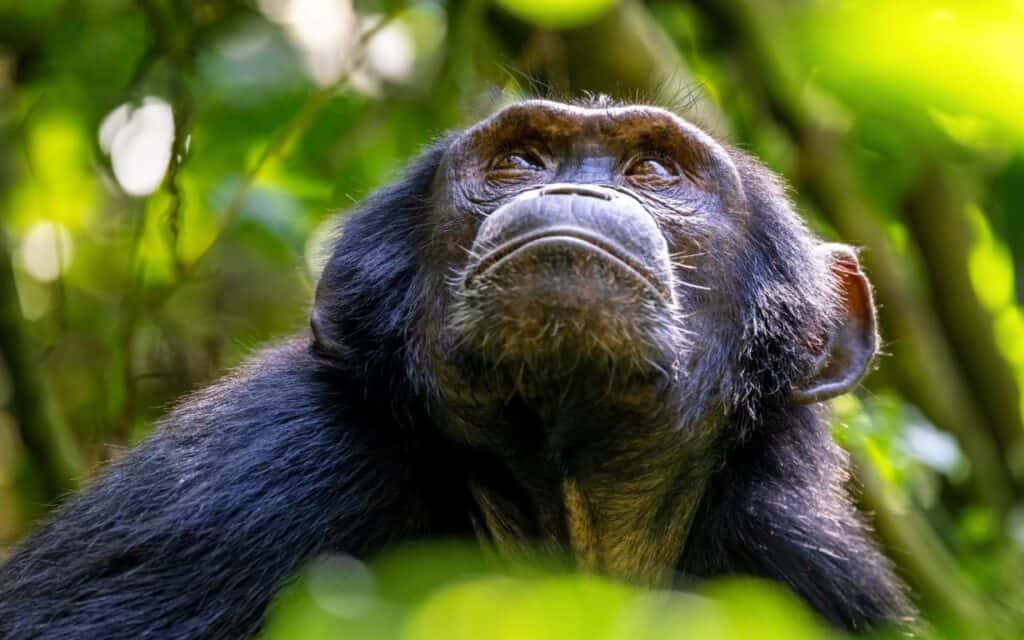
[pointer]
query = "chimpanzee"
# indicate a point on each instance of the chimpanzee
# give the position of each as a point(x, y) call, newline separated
point(585, 326)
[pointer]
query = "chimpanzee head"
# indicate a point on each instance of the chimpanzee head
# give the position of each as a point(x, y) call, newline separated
point(568, 266)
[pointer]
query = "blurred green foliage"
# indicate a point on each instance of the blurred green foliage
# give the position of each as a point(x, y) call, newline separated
point(444, 591)
point(900, 124)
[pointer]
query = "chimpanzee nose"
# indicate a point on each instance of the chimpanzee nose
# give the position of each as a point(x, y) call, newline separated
point(567, 189)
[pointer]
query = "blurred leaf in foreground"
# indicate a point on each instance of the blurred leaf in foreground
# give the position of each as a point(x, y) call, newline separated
point(454, 592)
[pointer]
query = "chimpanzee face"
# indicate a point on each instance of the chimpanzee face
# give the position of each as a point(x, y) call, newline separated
point(576, 244)
point(586, 271)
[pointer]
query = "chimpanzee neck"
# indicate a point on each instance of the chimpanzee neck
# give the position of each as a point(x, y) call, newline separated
point(620, 502)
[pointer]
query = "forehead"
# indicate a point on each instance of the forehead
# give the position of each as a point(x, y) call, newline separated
point(556, 120)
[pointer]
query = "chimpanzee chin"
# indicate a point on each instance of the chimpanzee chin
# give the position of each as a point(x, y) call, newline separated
point(584, 326)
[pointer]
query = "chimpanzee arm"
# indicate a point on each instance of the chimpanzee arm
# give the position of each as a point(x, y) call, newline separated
point(778, 509)
point(191, 533)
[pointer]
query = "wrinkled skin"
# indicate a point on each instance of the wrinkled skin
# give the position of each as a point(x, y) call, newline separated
point(590, 328)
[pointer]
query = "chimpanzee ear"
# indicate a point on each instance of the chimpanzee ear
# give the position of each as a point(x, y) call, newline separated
point(853, 340)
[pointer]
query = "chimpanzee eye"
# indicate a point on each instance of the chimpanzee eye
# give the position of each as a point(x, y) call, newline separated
point(652, 167)
point(519, 160)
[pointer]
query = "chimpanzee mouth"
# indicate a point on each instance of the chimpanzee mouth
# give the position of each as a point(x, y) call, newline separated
point(572, 239)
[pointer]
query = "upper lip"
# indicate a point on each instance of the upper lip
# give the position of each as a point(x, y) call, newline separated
point(611, 249)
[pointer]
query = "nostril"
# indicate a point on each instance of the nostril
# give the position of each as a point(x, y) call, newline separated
point(590, 191)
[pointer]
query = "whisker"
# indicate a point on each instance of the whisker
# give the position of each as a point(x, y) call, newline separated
point(699, 287)
point(685, 256)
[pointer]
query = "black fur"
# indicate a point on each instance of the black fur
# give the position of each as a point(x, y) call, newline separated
point(778, 507)
point(331, 444)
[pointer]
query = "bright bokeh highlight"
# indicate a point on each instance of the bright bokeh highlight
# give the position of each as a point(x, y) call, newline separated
point(139, 141)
